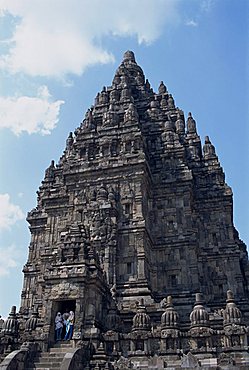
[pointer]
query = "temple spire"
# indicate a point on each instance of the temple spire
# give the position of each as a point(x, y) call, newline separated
point(129, 57)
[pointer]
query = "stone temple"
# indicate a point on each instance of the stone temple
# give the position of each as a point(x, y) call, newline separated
point(133, 231)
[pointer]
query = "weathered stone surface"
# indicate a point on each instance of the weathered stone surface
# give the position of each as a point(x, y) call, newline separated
point(135, 211)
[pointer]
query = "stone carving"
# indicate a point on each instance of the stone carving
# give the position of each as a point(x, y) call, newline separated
point(64, 290)
point(123, 364)
point(110, 118)
point(131, 114)
point(190, 361)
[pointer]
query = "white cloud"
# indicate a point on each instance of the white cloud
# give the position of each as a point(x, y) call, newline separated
point(10, 257)
point(31, 114)
point(207, 5)
point(54, 38)
point(9, 213)
point(191, 23)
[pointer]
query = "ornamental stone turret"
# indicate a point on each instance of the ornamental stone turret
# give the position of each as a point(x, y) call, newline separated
point(231, 314)
point(141, 321)
point(31, 323)
point(199, 316)
point(10, 326)
point(170, 317)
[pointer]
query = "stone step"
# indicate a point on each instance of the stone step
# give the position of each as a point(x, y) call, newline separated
point(45, 360)
point(60, 350)
point(47, 365)
point(51, 355)
point(52, 359)
point(63, 344)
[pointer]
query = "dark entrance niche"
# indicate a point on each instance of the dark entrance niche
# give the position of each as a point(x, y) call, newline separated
point(62, 307)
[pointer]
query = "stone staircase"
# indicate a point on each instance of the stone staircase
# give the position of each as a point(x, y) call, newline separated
point(52, 359)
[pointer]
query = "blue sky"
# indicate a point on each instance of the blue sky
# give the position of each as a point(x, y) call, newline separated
point(56, 55)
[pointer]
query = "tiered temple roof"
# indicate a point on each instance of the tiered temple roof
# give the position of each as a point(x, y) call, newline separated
point(136, 210)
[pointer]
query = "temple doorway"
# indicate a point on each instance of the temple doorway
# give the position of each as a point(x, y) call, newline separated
point(63, 306)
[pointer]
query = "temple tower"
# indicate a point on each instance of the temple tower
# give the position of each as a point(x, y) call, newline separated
point(136, 210)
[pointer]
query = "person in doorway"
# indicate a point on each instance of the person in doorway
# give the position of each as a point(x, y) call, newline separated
point(69, 326)
point(65, 316)
point(58, 326)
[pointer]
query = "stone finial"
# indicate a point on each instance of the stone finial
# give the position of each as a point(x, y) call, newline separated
point(162, 89)
point(129, 57)
point(1, 323)
point(141, 321)
point(147, 84)
point(231, 314)
point(230, 296)
point(199, 316)
point(10, 326)
point(208, 149)
point(180, 125)
point(70, 140)
point(191, 124)
point(198, 298)
point(89, 116)
point(169, 301)
point(49, 173)
point(103, 97)
point(96, 101)
point(170, 317)
point(171, 102)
